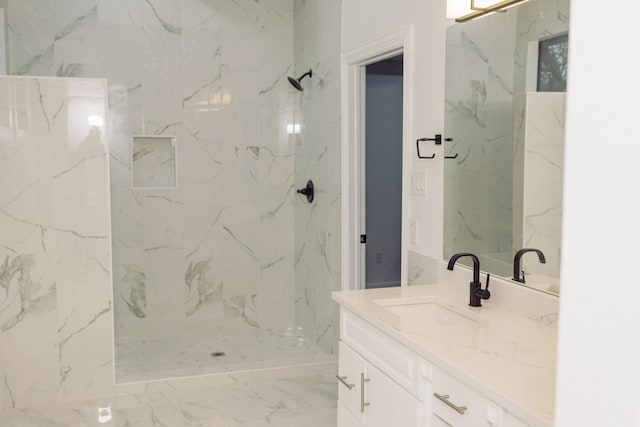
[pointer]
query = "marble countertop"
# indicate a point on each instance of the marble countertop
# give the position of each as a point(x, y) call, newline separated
point(508, 358)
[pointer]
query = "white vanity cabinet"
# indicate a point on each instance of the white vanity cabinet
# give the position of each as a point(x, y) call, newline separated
point(373, 399)
point(382, 383)
point(351, 377)
point(390, 404)
point(371, 369)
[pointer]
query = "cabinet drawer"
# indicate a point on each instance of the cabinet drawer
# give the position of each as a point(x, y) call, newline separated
point(351, 366)
point(471, 407)
point(398, 362)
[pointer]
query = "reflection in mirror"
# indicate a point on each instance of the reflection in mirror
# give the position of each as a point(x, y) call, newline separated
point(505, 83)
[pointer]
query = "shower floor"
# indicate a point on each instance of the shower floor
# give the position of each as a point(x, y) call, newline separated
point(239, 348)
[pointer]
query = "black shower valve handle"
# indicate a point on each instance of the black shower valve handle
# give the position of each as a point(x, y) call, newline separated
point(308, 191)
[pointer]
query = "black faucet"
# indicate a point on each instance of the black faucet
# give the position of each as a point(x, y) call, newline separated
point(476, 293)
point(516, 262)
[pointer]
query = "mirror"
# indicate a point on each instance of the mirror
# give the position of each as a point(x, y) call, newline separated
point(503, 191)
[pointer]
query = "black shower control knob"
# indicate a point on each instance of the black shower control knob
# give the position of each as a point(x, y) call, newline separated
point(307, 191)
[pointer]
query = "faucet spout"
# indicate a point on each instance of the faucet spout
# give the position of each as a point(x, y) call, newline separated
point(476, 293)
point(476, 264)
point(517, 262)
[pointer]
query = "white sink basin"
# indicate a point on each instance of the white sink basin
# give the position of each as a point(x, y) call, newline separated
point(428, 310)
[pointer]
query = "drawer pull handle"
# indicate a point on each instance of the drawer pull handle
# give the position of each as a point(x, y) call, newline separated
point(444, 398)
point(343, 380)
point(362, 402)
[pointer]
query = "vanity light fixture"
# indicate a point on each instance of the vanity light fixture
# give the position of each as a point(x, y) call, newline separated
point(477, 9)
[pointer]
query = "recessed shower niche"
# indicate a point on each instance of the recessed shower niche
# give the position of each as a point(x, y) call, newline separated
point(153, 161)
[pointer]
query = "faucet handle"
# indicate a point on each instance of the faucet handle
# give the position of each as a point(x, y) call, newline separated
point(484, 293)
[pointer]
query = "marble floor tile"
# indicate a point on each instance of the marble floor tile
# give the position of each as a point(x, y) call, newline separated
point(237, 348)
point(304, 401)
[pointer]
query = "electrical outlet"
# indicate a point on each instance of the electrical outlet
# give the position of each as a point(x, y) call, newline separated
point(413, 231)
point(419, 183)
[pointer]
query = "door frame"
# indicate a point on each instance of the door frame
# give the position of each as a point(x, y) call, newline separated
point(353, 140)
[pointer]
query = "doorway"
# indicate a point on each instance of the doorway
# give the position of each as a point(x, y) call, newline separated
point(382, 161)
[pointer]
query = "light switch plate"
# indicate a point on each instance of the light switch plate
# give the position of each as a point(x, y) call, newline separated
point(418, 183)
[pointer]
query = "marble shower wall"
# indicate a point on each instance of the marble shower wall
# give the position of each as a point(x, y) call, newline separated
point(55, 264)
point(317, 157)
point(212, 73)
point(537, 188)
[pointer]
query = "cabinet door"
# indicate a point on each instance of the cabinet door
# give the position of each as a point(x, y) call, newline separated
point(388, 404)
point(350, 367)
point(346, 418)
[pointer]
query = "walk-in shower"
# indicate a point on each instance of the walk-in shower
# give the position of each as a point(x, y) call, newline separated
point(203, 181)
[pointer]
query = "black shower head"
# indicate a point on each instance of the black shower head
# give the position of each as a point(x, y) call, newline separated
point(296, 82)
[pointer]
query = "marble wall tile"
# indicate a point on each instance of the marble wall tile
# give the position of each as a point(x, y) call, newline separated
point(539, 149)
point(423, 270)
point(81, 191)
point(317, 157)
point(219, 245)
point(56, 309)
point(29, 25)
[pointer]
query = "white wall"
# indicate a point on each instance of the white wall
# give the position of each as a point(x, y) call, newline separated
point(427, 21)
point(599, 339)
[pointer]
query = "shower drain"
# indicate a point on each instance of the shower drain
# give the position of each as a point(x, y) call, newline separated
point(218, 354)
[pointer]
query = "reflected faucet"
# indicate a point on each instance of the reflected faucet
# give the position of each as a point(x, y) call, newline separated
point(517, 263)
point(476, 293)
